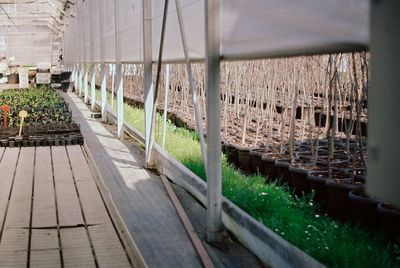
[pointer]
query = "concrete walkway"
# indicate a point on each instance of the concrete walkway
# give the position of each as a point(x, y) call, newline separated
point(138, 194)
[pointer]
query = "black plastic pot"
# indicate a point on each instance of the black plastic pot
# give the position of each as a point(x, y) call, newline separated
point(270, 169)
point(62, 141)
point(389, 220)
point(25, 143)
point(38, 141)
point(74, 140)
point(298, 180)
point(32, 141)
point(282, 170)
point(56, 141)
point(80, 139)
point(18, 141)
point(223, 147)
point(338, 204)
point(363, 208)
point(316, 181)
point(257, 165)
point(68, 140)
point(231, 154)
point(4, 142)
point(11, 144)
point(244, 159)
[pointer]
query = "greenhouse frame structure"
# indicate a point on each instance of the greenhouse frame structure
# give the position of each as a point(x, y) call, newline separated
point(151, 32)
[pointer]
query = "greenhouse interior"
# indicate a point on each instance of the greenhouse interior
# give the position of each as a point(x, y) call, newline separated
point(199, 133)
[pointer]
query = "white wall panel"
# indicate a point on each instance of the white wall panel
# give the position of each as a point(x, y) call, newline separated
point(96, 30)
point(291, 27)
point(131, 30)
point(109, 31)
point(193, 18)
point(85, 25)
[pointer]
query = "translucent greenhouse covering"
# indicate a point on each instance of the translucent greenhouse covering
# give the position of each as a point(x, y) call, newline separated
point(249, 29)
point(30, 31)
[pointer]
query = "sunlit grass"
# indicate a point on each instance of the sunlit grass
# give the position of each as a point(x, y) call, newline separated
point(297, 220)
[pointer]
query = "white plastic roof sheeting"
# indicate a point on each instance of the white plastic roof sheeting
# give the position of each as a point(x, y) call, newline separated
point(2, 47)
point(31, 30)
point(29, 49)
point(249, 29)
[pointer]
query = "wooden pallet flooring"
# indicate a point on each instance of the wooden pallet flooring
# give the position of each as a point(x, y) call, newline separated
point(51, 212)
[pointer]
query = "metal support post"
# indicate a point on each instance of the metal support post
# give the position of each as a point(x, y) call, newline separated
point(103, 93)
point(93, 86)
point(81, 75)
point(120, 100)
point(157, 84)
point(193, 88)
point(214, 173)
point(119, 73)
point(73, 73)
point(148, 79)
point(112, 70)
point(85, 84)
point(383, 102)
point(92, 65)
point(85, 74)
point(76, 80)
point(165, 105)
point(82, 49)
point(102, 64)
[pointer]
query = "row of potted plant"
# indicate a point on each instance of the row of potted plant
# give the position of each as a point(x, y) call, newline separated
point(337, 183)
point(43, 105)
point(48, 122)
point(43, 140)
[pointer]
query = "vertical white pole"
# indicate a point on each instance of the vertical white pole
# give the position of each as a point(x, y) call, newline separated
point(112, 66)
point(76, 82)
point(82, 50)
point(102, 64)
point(103, 93)
point(85, 84)
point(120, 101)
point(81, 78)
point(76, 75)
point(92, 65)
point(85, 36)
point(76, 51)
point(214, 173)
point(119, 73)
point(193, 88)
point(148, 79)
point(165, 105)
point(383, 102)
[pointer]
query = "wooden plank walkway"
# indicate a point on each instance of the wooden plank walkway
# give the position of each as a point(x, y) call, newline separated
point(52, 213)
point(138, 194)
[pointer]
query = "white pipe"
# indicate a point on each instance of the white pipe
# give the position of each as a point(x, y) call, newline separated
point(213, 161)
point(165, 105)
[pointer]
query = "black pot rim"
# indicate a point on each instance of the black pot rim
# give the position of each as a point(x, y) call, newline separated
point(284, 162)
point(362, 199)
point(383, 210)
point(298, 170)
point(336, 184)
point(312, 177)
